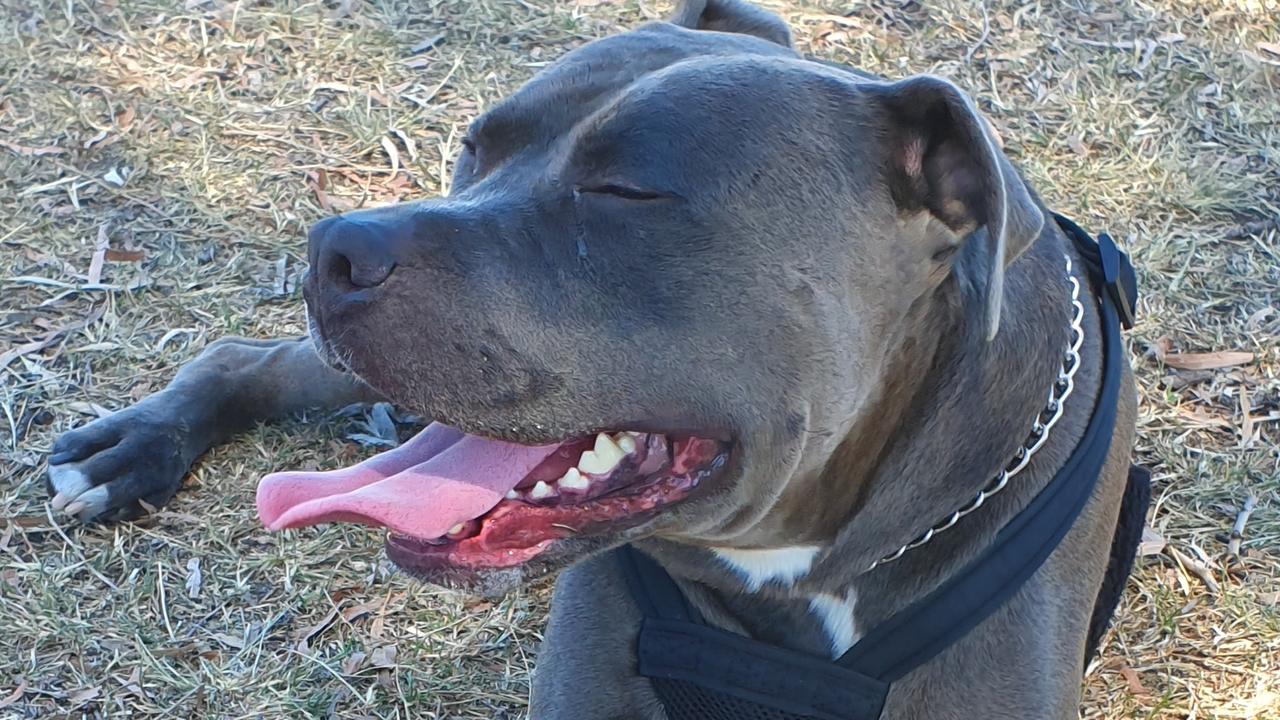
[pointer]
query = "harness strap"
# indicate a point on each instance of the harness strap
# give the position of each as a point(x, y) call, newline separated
point(764, 674)
point(654, 589)
point(673, 648)
point(1124, 551)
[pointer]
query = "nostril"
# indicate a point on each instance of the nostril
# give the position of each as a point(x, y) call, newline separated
point(370, 273)
point(355, 254)
point(340, 269)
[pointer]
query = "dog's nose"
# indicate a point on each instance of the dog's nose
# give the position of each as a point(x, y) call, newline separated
point(353, 251)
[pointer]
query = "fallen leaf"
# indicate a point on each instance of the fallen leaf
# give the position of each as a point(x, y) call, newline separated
point(115, 177)
point(102, 135)
point(1179, 379)
point(409, 145)
point(25, 522)
point(133, 683)
point(1160, 348)
point(429, 44)
point(16, 695)
point(318, 181)
point(282, 269)
point(356, 612)
point(32, 151)
point(229, 640)
point(390, 148)
point(80, 697)
point(94, 276)
point(1152, 542)
point(303, 637)
point(1246, 422)
point(10, 355)
point(1131, 679)
point(125, 255)
point(124, 118)
point(383, 657)
point(1199, 418)
point(88, 408)
point(1207, 361)
point(194, 577)
point(353, 662)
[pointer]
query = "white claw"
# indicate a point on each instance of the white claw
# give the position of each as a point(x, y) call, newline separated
point(69, 484)
point(540, 491)
point(90, 504)
point(573, 480)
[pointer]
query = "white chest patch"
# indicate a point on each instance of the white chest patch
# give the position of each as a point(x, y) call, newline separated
point(836, 615)
point(758, 567)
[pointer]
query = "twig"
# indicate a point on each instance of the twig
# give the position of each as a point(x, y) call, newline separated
point(1237, 530)
point(982, 39)
point(1196, 567)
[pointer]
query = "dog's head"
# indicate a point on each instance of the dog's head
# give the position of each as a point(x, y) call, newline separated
point(670, 276)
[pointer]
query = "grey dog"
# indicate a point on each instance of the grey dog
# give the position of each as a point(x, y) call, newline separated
point(765, 318)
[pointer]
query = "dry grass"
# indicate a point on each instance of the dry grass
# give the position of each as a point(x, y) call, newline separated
point(1158, 120)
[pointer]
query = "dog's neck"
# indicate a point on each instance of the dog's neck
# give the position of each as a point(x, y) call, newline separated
point(945, 383)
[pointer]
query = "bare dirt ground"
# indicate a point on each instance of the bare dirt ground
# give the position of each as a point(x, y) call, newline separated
point(159, 162)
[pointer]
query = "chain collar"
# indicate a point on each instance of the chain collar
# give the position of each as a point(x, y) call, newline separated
point(1044, 422)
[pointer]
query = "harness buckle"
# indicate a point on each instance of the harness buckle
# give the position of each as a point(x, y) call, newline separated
point(1119, 279)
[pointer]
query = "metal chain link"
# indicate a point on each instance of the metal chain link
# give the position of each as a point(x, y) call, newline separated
point(1044, 422)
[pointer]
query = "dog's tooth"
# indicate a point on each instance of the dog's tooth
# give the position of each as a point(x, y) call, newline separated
point(573, 480)
point(540, 491)
point(626, 442)
point(593, 464)
point(603, 458)
point(607, 448)
point(457, 528)
point(513, 494)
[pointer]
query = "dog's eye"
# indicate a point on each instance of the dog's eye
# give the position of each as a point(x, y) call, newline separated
point(623, 191)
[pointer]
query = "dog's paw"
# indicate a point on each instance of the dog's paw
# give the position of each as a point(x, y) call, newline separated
point(118, 467)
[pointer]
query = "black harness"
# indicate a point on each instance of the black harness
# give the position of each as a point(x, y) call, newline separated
point(703, 673)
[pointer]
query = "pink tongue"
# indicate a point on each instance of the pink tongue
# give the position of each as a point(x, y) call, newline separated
point(439, 478)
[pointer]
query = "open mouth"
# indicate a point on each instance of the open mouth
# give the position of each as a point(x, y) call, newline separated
point(452, 500)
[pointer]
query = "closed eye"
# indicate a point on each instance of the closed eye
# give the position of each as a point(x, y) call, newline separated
point(623, 191)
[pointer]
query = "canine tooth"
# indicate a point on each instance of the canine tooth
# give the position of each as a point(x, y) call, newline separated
point(540, 491)
point(626, 443)
point(457, 529)
point(513, 494)
point(592, 463)
point(607, 449)
point(603, 458)
point(573, 480)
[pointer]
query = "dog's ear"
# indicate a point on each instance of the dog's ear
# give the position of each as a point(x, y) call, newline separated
point(732, 16)
point(944, 160)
